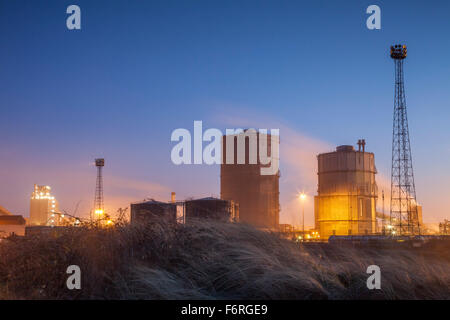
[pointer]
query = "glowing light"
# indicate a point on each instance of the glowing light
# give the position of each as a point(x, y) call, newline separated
point(302, 196)
point(99, 212)
point(109, 222)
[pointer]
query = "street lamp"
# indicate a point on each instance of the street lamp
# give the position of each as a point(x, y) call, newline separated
point(302, 197)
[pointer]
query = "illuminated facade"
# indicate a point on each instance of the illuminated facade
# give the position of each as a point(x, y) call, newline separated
point(43, 207)
point(347, 192)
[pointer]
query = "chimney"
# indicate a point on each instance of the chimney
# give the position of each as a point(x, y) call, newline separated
point(362, 144)
point(172, 197)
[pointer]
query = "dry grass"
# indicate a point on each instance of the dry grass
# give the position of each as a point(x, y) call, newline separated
point(211, 260)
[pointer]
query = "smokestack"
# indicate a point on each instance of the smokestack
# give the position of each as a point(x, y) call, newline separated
point(361, 144)
point(172, 197)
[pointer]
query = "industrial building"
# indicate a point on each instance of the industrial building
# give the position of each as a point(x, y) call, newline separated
point(347, 192)
point(150, 210)
point(211, 208)
point(43, 207)
point(4, 212)
point(11, 225)
point(243, 183)
point(184, 211)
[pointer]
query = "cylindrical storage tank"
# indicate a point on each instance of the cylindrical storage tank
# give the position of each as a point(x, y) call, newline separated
point(347, 193)
point(211, 208)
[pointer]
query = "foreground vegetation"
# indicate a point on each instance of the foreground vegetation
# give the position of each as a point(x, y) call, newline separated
point(211, 260)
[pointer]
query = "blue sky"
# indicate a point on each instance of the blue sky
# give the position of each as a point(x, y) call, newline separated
point(137, 70)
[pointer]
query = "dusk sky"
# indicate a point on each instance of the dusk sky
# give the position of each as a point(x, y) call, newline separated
point(137, 70)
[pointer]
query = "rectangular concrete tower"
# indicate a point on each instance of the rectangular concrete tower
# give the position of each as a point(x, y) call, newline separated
point(256, 194)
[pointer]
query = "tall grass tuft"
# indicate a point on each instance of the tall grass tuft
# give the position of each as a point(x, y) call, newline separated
point(211, 260)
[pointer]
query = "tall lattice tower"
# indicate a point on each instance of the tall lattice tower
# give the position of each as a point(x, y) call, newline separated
point(403, 212)
point(98, 202)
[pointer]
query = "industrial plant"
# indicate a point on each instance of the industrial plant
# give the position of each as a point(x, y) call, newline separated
point(224, 159)
point(345, 204)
